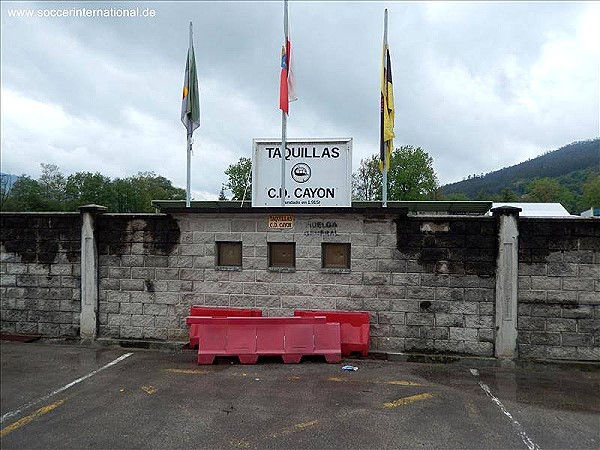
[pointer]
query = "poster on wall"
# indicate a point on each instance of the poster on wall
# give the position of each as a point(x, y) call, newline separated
point(318, 172)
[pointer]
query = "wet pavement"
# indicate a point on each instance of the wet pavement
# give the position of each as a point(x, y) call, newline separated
point(73, 397)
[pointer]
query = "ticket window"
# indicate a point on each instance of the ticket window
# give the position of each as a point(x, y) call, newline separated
point(282, 254)
point(335, 256)
point(229, 254)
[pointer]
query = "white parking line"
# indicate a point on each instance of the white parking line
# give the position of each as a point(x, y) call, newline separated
point(64, 388)
point(526, 440)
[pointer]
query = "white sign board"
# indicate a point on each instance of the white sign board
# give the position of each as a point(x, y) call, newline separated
point(318, 172)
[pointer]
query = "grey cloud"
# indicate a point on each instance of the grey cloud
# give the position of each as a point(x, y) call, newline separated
point(463, 80)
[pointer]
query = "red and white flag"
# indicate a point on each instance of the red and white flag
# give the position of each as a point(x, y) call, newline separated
point(287, 90)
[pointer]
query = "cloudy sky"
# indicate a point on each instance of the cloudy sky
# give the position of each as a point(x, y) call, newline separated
point(479, 86)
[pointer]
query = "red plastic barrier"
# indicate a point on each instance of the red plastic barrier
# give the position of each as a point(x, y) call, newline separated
point(354, 328)
point(251, 337)
point(216, 311)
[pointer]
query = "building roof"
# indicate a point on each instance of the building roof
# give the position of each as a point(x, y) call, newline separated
point(592, 212)
point(536, 209)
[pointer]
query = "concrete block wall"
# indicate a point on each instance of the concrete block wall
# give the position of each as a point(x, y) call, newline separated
point(559, 289)
point(429, 282)
point(309, 286)
point(40, 273)
point(142, 276)
point(444, 281)
point(146, 289)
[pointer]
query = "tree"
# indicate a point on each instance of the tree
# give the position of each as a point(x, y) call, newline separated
point(52, 182)
point(457, 197)
point(52, 192)
point(5, 187)
point(544, 190)
point(135, 194)
point(366, 180)
point(411, 175)
point(547, 190)
point(591, 193)
point(84, 188)
point(507, 195)
point(483, 196)
point(240, 179)
point(26, 195)
point(222, 196)
point(123, 196)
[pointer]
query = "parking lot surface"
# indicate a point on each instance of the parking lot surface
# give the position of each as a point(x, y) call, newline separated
point(71, 397)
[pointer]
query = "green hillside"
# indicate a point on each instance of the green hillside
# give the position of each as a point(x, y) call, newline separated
point(572, 166)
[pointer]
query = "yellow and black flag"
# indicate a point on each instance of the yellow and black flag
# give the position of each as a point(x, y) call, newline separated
point(386, 145)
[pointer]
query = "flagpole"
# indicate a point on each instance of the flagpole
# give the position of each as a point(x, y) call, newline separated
point(385, 159)
point(189, 151)
point(283, 114)
point(283, 148)
point(189, 172)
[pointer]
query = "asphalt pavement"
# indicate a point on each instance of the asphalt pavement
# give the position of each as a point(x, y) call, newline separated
point(71, 397)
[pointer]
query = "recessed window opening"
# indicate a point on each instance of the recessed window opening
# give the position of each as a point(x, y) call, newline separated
point(229, 254)
point(282, 254)
point(335, 256)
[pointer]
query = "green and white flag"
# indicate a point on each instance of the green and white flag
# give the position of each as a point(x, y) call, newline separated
point(190, 103)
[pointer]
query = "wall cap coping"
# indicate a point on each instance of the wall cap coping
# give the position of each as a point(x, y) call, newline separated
point(92, 208)
point(393, 207)
point(506, 211)
point(40, 213)
point(220, 207)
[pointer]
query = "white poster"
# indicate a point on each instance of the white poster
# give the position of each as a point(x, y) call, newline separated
point(317, 173)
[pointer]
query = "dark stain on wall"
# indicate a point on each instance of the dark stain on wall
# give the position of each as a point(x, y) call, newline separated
point(149, 285)
point(158, 234)
point(539, 238)
point(39, 238)
point(450, 245)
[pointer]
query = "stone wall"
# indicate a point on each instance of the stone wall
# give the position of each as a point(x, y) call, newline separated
point(443, 287)
point(428, 282)
point(40, 273)
point(141, 277)
point(559, 289)
point(146, 289)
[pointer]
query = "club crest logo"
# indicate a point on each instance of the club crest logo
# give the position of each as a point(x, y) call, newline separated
point(301, 173)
